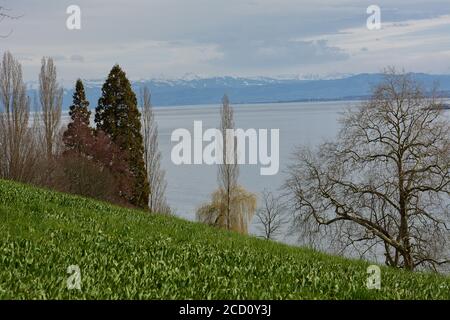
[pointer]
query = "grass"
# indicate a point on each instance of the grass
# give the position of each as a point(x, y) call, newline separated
point(128, 254)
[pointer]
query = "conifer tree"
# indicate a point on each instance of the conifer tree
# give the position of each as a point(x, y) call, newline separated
point(78, 130)
point(118, 116)
point(80, 108)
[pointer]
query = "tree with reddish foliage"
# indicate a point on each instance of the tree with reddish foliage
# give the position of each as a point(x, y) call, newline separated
point(108, 155)
point(92, 164)
point(97, 169)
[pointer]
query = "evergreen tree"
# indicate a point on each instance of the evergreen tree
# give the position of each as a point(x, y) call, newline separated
point(78, 130)
point(118, 116)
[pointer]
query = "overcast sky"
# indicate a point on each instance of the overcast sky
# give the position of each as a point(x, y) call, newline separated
point(172, 38)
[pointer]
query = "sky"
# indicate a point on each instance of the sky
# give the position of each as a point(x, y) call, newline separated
point(248, 38)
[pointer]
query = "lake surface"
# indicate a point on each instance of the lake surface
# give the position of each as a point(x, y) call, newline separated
point(299, 123)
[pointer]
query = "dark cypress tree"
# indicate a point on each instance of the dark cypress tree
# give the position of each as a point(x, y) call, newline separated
point(78, 130)
point(118, 116)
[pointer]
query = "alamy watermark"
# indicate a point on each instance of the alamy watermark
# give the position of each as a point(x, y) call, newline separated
point(73, 22)
point(249, 146)
point(374, 20)
point(74, 280)
point(374, 278)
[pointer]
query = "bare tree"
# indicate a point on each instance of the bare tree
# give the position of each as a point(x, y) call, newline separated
point(3, 16)
point(17, 148)
point(238, 201)
point(152, 156)
point(271, 216)
point(50, 98)
point(228, 171)
point(384, 184)
point(231, 206)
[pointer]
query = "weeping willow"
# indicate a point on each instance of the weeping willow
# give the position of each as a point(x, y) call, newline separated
point(242, 205)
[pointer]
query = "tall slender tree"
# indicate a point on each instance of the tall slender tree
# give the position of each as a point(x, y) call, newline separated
point(228, 170)
point(16, 143)
point(231, 206)
point(118, 116)
point(50, 98)
point(152, 156)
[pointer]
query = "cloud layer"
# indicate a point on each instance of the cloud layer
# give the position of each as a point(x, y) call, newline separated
point(236, 37)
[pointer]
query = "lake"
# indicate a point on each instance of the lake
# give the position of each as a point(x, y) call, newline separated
point(306, 123)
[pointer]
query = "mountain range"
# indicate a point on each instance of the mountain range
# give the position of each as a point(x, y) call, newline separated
point(195, 90)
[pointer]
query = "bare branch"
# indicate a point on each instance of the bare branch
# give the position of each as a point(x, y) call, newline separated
point(384, 184)
point(271, 216)
point(152, 156)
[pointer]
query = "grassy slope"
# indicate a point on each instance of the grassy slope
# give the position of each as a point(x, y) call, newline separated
point(132, 255)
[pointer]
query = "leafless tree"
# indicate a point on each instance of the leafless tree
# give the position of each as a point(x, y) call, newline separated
point(231, 206)
point(152, 156)
point(50, 98)
point(228, 172)
point(4, 15)
point(16, 142)
point(383, 186)
point(270, 216)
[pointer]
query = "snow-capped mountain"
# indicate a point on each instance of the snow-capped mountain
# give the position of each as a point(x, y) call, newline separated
point(192, 89)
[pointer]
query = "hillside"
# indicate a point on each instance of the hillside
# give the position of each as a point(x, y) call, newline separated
point(129, 254)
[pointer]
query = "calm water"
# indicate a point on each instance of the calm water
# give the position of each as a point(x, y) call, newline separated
point(299, 124)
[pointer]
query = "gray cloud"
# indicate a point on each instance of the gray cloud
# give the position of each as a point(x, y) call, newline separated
point(278, 53)
point(238, 37)
point(76, 58)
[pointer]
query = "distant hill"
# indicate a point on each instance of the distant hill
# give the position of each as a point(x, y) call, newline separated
point(256, 90)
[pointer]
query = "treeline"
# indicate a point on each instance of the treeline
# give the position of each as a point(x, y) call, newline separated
point(118, 160)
